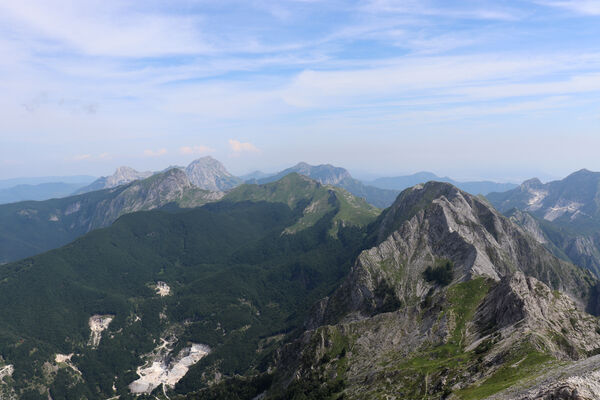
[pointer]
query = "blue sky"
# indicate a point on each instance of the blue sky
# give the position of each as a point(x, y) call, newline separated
point(472, 89)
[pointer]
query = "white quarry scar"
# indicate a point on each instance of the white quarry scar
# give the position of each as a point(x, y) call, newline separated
point(161, 370)
point(98, 323)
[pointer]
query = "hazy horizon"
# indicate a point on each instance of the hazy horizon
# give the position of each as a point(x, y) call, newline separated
point(363, 175)
point(477, 90)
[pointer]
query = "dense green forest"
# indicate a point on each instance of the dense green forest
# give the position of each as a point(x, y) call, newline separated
point(239, 284)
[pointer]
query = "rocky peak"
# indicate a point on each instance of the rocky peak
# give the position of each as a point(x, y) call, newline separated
point(532, 183)
point(125, 175)
point(434, 222)
point(208, 173)
point(326, 174)
point(519, 300)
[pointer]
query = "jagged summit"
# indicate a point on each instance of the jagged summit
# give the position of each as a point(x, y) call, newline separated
point(532, 183)
point(503, 307)
point(314, 199)
point(121, 176)
point(326, 174)
point(208, 173)
point(330, 175)
point(434, 222)
point(567, 211)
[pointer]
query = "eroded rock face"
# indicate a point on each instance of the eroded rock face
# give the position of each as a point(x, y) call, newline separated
point(521, 305)
point(6, 370)
point(98, 324)
point(386, 331)
point(162, 289)
point(163, 369)
point(433, 222)
point(585, 387)
point(572, 207)
point(125, 175)
point(209, 174)
point(577, 381)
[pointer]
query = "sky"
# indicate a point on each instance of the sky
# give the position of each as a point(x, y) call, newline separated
point(501, 90)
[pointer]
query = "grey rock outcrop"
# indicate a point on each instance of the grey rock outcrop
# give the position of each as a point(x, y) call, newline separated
point(437, 221)
point(388, 331)
point(209, 174)
point(123, 175)
point(564, 215)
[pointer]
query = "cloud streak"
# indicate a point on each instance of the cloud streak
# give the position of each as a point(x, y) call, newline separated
point(155, 153)
point(242, 147)
point(188, 150)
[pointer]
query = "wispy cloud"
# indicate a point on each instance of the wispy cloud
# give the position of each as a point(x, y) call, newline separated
point(242, 147)
point(155, 153)
point(81, 157)
point(91, 157)
point(585, 7)
point(79, 77)
point(489, 11)
point(187, 150)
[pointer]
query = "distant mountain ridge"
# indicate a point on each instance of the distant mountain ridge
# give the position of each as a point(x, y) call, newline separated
point(205, 173)
point(78, 179)
point(563, 214)
point(28, 228)
point(209, 174)
point(475, 187)
point(121, 176)
point(330, 175)
point(38, 192)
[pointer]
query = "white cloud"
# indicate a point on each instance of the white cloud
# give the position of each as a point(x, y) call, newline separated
point(427, 8)
point(242, 147)
point(105, 28)
point(585, 7)
point(90, 157)
point(195, 150)
point(155, 153)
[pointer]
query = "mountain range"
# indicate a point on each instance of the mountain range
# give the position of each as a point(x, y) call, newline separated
point(564, 215)
point(297, 289)
point(475, 187)
point(209, 174)
point(41, 191)
point(31, 227)
point(330, 175)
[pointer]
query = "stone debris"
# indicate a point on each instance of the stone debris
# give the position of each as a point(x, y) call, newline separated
point(63, 358)
point(162, 289)
point(577, 381)
point(6, 370)
point(161, 369)
point(98, 324)
point(66, 359)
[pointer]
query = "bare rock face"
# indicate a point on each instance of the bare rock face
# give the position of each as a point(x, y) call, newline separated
point(209, 174)
point(164, 368)
point(156, 191)
point(521, 306)
point(324, 174)
point(125, 175)
point(577, 381)
point(389, 332)
point(433, 222)
point(529, 225)
point(98, 324)
point(569, 211)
